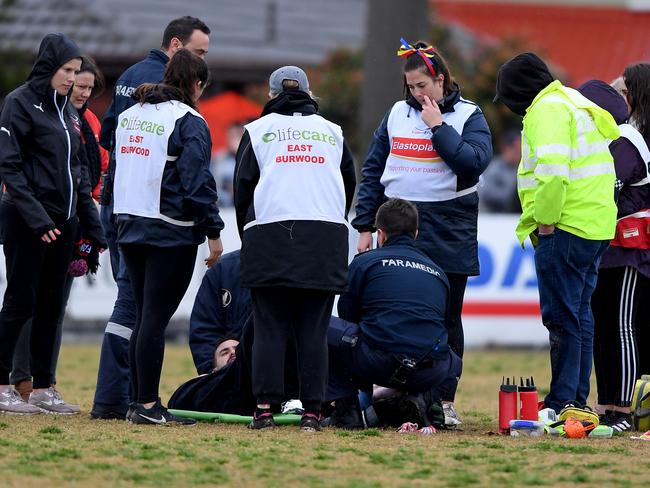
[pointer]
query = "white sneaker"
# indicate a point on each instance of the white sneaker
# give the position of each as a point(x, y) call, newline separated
point(292, 406)
point(451, 417)
point(11, 403)
point(50, 401)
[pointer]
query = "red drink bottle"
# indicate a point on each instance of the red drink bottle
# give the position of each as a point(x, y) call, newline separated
point(507, 405)
point(528, 399)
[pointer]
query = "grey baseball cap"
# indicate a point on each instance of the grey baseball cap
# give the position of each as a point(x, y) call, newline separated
point(288, 73)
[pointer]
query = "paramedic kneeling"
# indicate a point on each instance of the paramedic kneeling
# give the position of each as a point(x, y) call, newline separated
point(398, 296)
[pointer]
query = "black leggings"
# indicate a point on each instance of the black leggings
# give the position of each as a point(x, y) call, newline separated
point(456, 337)
point(159, 277)
point(456, 340)
point(36, 273)
point(621, 333)
point(281, 315)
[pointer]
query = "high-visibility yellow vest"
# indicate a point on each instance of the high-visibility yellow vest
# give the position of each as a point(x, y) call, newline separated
point(566, 175)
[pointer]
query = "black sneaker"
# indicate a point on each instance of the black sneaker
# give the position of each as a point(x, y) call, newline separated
point(108, 412)
point(156, 415)
point(619, 421)
point(346, 415)
point(130, 410)
point(262, 419)
point(604, 418)
point(310, 422)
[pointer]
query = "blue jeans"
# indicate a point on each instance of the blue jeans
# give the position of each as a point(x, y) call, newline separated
point(567, 270)
point(113, 374)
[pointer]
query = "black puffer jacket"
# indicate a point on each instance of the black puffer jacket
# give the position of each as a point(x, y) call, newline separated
point(307, 254)
point(39, 141)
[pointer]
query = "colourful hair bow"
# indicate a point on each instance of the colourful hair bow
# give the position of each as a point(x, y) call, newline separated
point(424, 52)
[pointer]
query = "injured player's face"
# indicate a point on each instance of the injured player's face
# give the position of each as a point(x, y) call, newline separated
point(225, 354)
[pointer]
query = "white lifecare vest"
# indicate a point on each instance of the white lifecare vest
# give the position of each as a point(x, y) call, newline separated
point(141, 141)
point(300, 169)
point(414, 169)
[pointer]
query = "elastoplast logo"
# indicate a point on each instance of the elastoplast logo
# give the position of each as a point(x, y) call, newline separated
point(282, 135)
point(419, 150)
point(135, 124)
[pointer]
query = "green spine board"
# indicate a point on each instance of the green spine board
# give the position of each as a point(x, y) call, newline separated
point(228, 418)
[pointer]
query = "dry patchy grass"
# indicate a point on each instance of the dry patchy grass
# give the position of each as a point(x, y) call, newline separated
point(75, 451)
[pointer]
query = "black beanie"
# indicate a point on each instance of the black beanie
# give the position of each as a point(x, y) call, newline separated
point(520, 80)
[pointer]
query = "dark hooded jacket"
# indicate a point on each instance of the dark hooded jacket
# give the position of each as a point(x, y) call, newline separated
point(39, 144)
point(520, 80)
point(630, 168)
point(398, 296)
point(304, 253)
point(188, 191)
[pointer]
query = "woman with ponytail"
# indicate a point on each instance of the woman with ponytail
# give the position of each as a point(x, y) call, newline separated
point(430, 149)
point(165, 202)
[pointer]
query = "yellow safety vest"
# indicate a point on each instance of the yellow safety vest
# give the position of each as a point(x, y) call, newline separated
point(566, 175)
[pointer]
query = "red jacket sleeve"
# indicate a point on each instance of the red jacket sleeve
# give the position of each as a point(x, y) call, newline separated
point(96, 125)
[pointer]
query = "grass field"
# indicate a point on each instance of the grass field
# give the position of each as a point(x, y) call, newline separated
point(48, 451)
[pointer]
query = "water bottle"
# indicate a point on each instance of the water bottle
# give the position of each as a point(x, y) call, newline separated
point(507, 404)
point(528, 399)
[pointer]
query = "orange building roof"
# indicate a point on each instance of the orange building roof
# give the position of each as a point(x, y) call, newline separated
point(586, 42)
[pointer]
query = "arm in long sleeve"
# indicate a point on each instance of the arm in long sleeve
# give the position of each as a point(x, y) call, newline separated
point(550, 145)
point(469, 153)
point(371, 191)
point(86, 207)
point(349, 176)
point(629, 164)
point(15, 127)
point(247, 175)
point(193, 165)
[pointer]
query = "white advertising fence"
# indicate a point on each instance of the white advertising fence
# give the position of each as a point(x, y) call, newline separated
point(501, 305)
